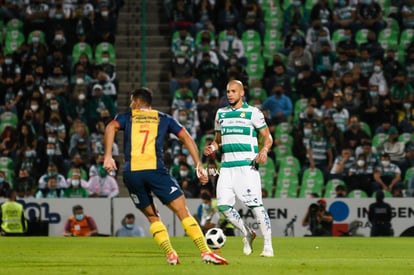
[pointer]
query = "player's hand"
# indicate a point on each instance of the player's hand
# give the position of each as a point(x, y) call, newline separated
point(109, 165)
point(261, 156)
point(202, 174)
point(209, 149)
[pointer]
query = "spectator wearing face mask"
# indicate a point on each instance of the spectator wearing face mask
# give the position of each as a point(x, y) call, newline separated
point(80, 224)
point(406, 118)
point(232, 45)
point(279, 105)
point(360, 175)
point(76, 185)
point(52, 171)
point(129, 227)
point(387, 175)
point(182, 75)
point(208, 90)
point(377, 78)
point(103, 185)
point(187, 180)
point(51, 190)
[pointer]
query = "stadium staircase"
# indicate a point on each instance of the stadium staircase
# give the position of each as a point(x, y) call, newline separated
point(129, 58)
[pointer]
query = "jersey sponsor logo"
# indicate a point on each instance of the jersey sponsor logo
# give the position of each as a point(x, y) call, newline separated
point(173, 189)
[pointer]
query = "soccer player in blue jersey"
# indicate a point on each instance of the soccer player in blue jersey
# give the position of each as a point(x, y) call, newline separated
point(145, 130)
point(237, 127)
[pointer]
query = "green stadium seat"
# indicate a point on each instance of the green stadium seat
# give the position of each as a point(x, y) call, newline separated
point(283, 128)
point(388, 38)
point(255, 66)
point(338, 36)
point(14, 39)
point(287, 184)
point(366, 128)
point(104, 47)
point(8, 119)
point(357, 194)
point(80, 48)
point(14, 25)
point(361, 36)
point(330, 187)
point(281, 152)
point(290, 164)
point(407, 176)
point(379, 139)
point(406, 137)
point(313, 177)
point(267, 174)
point(251, 41)
point(406, 37)
point(273, 18)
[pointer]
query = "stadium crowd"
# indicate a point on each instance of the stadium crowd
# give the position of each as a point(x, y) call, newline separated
point(334, 79)
point(59, 88)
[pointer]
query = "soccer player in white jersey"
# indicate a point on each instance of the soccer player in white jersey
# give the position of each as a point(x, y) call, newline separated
point(237, 127)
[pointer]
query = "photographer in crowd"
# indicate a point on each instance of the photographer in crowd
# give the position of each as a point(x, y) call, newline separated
point(318, 219)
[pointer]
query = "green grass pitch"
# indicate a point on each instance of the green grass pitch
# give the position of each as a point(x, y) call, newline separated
point(109, 255)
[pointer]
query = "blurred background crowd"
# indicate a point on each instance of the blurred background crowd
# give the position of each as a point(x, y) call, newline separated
point(58, 87)
point(334, 79)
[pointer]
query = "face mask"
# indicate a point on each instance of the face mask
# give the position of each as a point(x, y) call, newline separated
point(79, 217)
point(297, 3)
point(180, 60)
point(230, 38)
point(182, 118)
point(54, 107)
point(51, 139)
point(208, 84)
point(385, 163)
point(361, 162)
point(49, 95)
point(183, 174)
point(187, 104)
point(8, 61)
point(373, 93)
point(105, 13)
point(81, 97)
point(34, 107)
point(58, 37)
point(105, 60)
point(35, 39)
point(205, 206)
point(342, 3)
point(58, 16)
point(307, 132)
point(368, 2)
point(52, 173)
point(129, 225)
point(1, 180)
point(50, 152)
point(75, 183)
point(79, 81)
point(29, 153)
point(407, 105)
point(323, 38)
point(185, 152)
point(377, 68)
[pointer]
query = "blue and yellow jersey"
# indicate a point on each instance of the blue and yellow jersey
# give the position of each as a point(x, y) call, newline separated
point(144, 134)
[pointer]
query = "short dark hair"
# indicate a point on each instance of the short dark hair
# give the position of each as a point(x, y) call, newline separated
point(130, 216)
point(144, 94)
point(77, 207)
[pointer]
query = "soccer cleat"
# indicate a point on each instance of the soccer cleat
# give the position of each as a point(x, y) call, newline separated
point(211, 257)
point(172, 258)
point(267, 252)
point(248, 241)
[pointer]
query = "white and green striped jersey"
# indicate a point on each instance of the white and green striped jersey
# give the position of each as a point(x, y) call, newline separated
point(239, 129)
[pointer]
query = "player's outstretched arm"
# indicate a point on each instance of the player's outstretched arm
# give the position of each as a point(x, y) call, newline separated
point(109, 137)
point(185, 137)
point(213, 146)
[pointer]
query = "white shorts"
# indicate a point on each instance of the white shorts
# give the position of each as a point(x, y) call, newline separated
point(243, 182)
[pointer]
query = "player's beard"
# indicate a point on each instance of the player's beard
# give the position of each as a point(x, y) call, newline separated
point(234, 103)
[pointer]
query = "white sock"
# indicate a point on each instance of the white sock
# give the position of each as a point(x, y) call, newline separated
point(234, 217)
point(264, 224)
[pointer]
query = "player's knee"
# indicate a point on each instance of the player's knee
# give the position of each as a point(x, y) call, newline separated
point(223, 208)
